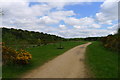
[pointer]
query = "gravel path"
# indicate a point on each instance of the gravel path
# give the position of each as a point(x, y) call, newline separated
point(68, 65)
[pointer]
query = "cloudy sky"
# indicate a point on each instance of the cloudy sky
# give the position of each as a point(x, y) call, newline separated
point(69, 19)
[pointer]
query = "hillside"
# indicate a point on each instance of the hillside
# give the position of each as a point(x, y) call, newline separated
point(24, 37)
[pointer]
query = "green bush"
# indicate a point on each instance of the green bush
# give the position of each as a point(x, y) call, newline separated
point(112, 42)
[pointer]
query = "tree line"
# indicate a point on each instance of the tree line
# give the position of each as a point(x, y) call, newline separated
point(24, 37)
point(18, 36)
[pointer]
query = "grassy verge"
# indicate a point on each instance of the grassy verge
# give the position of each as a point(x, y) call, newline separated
point(40, 54)
point(102, 62)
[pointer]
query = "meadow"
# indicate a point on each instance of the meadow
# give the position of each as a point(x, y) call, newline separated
point(40, 55)
point(102, 62)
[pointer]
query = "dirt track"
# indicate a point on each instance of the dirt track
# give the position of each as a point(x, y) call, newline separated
point(68, 65)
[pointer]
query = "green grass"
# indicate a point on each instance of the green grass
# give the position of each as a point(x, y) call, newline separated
point(40, 54)
point(102, 62)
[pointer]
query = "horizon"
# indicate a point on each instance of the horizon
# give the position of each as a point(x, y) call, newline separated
point(57, 35)
point(67, 19)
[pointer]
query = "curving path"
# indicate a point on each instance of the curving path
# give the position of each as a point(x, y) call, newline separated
point(68, 65)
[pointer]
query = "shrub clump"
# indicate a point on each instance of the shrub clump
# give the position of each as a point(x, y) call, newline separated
point(11, 56)
point(112, 42)
point(23, 57)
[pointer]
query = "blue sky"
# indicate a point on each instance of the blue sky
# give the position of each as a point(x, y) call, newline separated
point(65, 19)
point(81, 9)
point(85, 10)
point(34, 3)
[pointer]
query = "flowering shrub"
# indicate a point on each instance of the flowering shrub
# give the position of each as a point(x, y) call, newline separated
point(23, 57)
point(10, 55)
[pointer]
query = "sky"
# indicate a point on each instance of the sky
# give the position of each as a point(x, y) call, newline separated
point(68, 19)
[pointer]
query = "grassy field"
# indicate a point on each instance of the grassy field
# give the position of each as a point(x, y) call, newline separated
point(102, 62)
point(40, 54)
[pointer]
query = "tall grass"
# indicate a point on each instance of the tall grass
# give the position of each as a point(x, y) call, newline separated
point(102, 62)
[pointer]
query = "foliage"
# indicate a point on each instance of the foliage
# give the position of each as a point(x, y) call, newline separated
point(8, 55)
point(23, 37)
point(92, 38)
point(112, 41)
point(23, 57)
point(102, 62)
point(11, 56)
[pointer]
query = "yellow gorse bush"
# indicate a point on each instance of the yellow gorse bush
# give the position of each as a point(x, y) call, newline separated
point(10, 55)
point(23, 57)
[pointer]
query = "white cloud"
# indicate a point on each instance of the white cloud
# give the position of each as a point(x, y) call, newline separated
point(40, 10)
point(60, 4)
point(22, 16)
point(21, 13)
point(86, 22)
point(96, 25)
point(114, 27)
point(102, 18)
point(72, 21)
point(38, 17)
point(76, 33)
point(48, 20)
point(77, 27)
point(108, 12)
point(57, 5)
point(62, 26)
point(61, 15)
